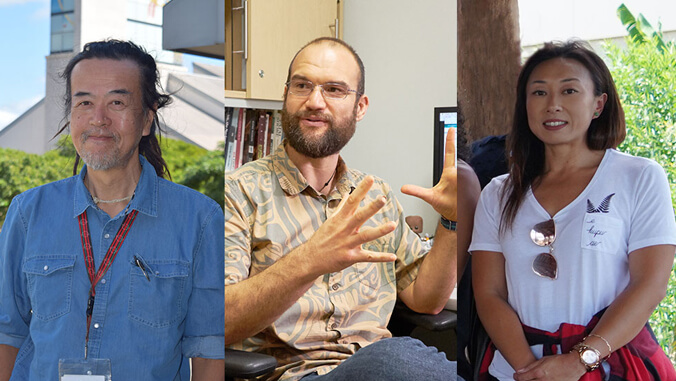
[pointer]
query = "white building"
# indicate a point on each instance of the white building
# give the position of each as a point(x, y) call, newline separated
point(196, 115)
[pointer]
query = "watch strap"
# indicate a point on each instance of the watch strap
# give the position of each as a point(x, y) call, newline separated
point(448, 224)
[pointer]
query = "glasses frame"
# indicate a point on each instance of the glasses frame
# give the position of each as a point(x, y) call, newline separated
point(288, 89)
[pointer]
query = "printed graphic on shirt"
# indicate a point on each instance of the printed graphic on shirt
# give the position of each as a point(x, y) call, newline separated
point(604, 207)
point(600, 231)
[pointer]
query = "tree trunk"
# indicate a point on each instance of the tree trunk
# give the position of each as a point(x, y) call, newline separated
point(489, 60)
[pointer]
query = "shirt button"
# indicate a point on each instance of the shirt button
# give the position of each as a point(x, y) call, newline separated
point(46, 268)
point(103, 281)
point(96, 325)
point(335, 286)
point(106, 236)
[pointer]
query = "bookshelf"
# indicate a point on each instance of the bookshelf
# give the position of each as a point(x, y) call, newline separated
point(250, 135)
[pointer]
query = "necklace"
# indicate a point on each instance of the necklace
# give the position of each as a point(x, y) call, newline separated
point(330, 178)
point(99, 201)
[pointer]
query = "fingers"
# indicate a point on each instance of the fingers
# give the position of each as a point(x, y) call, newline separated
point(370, 234)
point(450, 148)
point(351, 202)
point(363, 214)
point(373, 256)
point(417, 191)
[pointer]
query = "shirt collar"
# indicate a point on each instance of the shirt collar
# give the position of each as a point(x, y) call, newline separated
point(292, 180)
point(145, 195)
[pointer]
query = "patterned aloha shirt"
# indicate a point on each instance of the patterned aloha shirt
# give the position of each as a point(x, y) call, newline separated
point(270, 209)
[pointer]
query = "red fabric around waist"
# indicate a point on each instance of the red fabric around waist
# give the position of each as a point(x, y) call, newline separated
point(642, 359)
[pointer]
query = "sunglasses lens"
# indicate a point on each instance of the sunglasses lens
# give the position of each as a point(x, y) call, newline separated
point(544, 233)
point(545, 266)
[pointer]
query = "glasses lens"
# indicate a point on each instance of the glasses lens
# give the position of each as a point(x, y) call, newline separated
point(544, 233)
point(545, 266)
point(300, 87)
point(335, 90)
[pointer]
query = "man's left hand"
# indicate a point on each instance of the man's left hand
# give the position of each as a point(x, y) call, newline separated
point(443, 197)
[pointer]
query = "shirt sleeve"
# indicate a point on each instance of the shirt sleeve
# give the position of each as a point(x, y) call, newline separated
point(485, 235)
point(204, 335)
point(14, 301)
point(237, 234)
point(653, 220)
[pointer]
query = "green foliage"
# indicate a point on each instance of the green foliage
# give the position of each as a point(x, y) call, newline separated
point(189, 165)
point(196, 168)
point(645, 76)
point(20, 171)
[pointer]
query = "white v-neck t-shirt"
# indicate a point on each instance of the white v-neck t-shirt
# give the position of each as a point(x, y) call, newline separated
point(626, 206)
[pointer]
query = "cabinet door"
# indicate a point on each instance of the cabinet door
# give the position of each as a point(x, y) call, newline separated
point(277, 29)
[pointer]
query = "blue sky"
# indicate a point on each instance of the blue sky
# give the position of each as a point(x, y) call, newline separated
point(24, 27)
point(24, 43)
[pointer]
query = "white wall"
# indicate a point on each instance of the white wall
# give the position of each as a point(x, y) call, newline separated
point(409, 50)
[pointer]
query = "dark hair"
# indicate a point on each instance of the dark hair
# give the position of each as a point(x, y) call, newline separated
point(152, 99)
point(362, 72)
point(526, 153)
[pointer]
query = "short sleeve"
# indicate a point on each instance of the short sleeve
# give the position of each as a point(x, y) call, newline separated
point(237, 234)
point(485, 235)
point(14, 301)
point(653, 220)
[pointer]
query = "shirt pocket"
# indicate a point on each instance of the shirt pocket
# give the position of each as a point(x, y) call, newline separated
point(601, 233)
point(161, 301)
point(50, 284)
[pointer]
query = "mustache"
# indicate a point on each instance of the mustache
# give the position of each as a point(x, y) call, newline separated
point(313, 115)
point(98, 133)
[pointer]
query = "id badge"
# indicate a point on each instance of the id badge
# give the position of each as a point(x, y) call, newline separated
point(84, 370)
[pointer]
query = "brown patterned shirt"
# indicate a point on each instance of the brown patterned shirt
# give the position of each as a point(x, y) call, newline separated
point(270, 209)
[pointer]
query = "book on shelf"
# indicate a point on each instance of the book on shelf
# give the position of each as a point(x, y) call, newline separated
point(250, 134)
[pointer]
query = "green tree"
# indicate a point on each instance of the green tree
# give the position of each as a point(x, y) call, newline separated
point(645, 76)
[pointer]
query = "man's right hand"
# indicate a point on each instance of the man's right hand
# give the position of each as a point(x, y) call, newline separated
point(337, 244)
point(258, 301)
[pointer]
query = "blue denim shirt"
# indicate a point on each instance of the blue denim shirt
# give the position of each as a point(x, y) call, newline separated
point(147, 329)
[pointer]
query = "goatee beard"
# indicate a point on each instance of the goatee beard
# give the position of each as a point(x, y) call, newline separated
point(330, 142)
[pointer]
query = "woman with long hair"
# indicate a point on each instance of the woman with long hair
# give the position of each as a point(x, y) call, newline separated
point(573, 248)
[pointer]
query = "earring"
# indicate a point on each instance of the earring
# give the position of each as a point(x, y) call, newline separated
point(596, 114)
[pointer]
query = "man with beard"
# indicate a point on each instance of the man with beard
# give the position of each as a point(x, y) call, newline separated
point(114, 272)
point(317, 253)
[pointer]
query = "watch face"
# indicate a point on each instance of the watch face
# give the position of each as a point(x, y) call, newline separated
point(589, 356)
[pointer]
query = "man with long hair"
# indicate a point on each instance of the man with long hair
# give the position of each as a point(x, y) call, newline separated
point(115, 271)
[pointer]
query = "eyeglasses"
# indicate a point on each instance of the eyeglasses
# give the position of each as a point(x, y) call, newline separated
point(544, 234)
point(330, 90)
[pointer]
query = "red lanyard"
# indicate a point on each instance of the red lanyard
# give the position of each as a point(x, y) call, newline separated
point(95, 276)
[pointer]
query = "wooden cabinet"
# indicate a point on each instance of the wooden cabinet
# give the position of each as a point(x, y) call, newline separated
point(261, 38)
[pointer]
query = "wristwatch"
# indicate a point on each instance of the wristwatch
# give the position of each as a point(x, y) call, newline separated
point(589, 357)
point(448, 224)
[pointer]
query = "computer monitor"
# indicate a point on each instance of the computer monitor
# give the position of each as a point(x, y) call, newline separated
point(445, 118)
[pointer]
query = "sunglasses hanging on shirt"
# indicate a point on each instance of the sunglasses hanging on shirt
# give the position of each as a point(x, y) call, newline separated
point(544, 264)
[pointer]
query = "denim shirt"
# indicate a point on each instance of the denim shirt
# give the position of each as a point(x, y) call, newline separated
point(147, 329)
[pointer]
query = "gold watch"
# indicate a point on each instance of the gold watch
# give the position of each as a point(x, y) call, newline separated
point(589, 357)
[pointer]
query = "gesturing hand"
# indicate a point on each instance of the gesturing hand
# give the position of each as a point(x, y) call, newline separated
point(337, 243)
point(443, 197)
